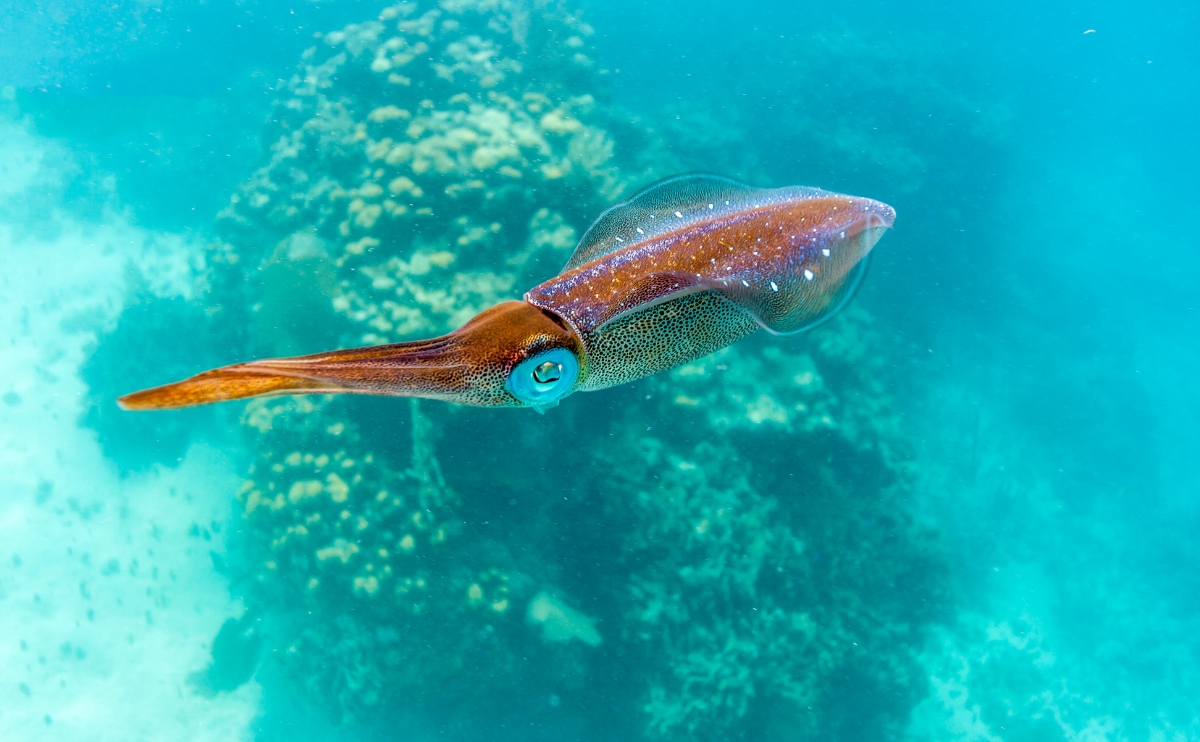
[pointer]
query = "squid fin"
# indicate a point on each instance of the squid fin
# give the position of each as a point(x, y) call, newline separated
point(797, 308)
point(652, 211)
point(780, 313)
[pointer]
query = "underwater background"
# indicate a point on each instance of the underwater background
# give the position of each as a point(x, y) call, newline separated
point(965, 509)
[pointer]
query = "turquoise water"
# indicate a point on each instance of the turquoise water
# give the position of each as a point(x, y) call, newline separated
point(964, 510)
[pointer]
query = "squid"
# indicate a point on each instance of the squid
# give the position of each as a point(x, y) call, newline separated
point(681, 269)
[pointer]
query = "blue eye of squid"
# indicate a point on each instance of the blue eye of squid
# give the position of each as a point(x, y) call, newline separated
point(545, 378)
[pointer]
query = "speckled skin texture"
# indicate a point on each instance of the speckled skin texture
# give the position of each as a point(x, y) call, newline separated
point(683, 268)
point(647, 342)
point(699, 269)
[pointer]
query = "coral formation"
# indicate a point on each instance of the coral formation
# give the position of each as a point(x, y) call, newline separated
point(419, 147)
point(367, 550)
point(747, 386)
point(742, 547)
point(424, 166)
point(352, 523)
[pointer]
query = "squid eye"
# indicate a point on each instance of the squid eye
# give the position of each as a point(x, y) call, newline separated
point(545, 378)
point(547, 372)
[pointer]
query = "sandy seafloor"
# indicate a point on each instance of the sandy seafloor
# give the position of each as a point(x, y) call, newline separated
point(108, 599)
point(1058, 438)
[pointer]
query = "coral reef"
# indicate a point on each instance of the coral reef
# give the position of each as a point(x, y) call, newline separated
point(335, 525)
point(747, 551)
point(740, 565)
point(776, 384)
point(417, 148)
point(423, 167)
point(351, 522)
point(715, 552)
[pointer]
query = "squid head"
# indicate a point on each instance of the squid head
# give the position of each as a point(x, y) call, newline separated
point(511, 355)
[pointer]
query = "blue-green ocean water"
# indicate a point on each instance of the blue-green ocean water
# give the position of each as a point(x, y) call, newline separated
point(1034, 334)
